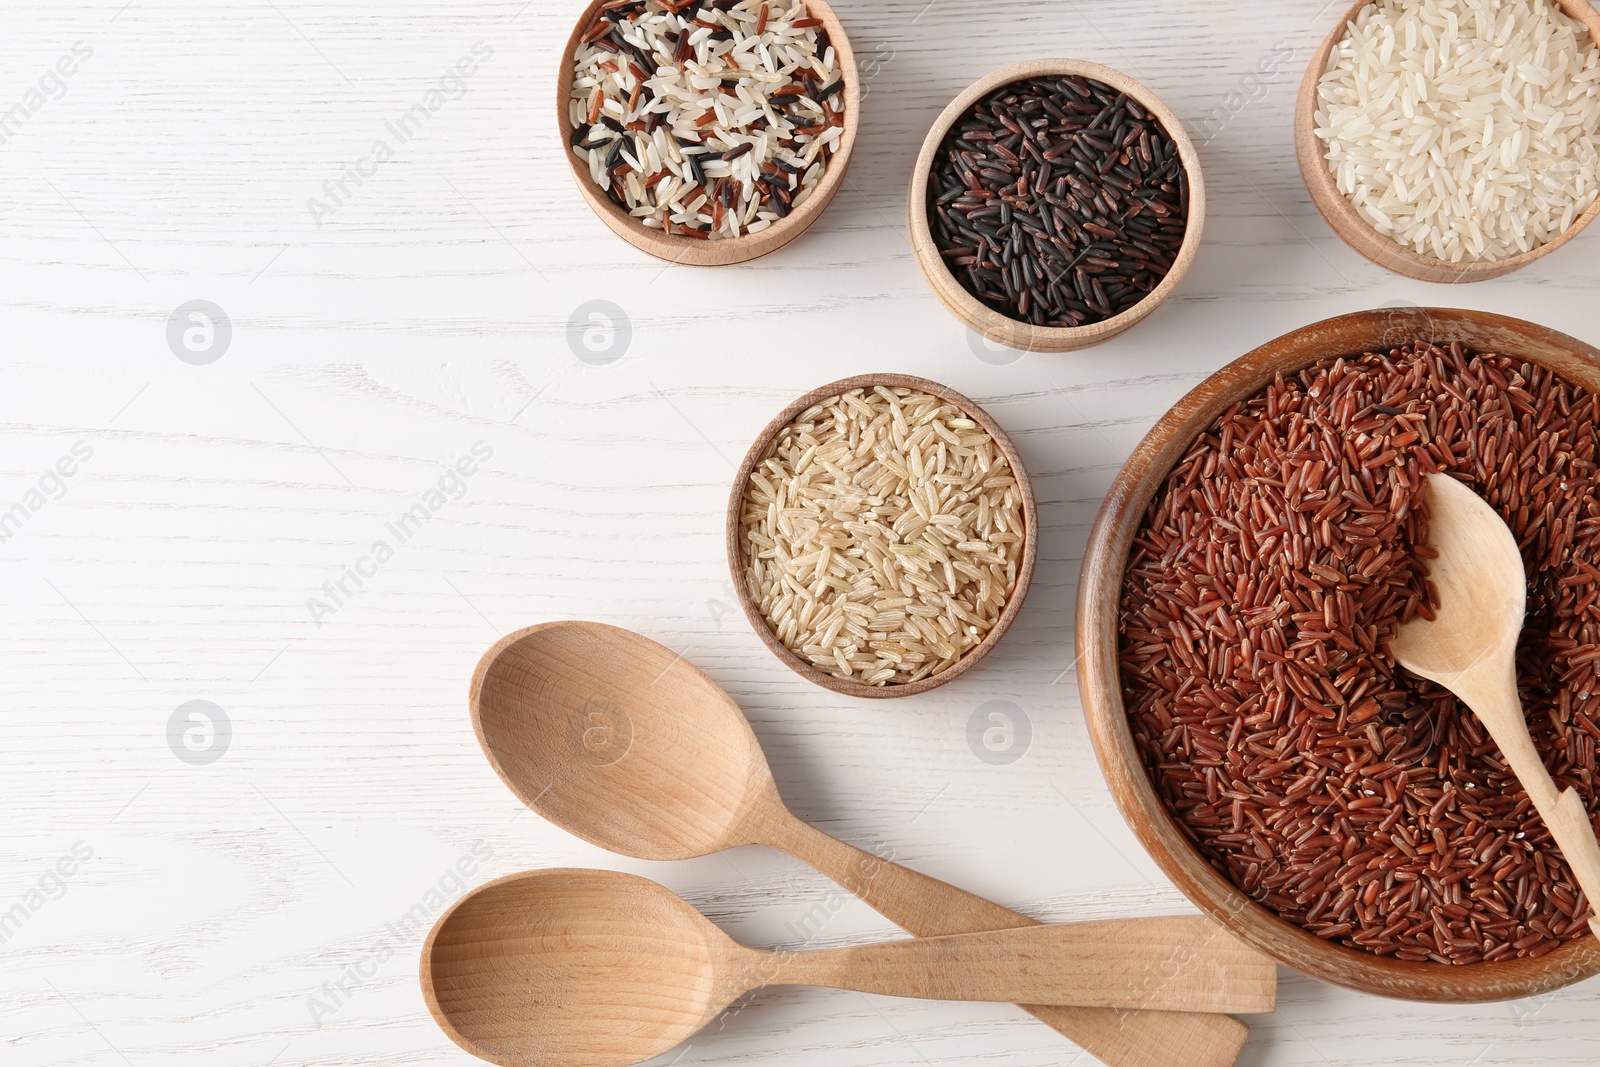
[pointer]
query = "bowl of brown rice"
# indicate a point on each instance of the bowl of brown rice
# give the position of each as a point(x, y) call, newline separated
point(881, 535)
point(1241, 585)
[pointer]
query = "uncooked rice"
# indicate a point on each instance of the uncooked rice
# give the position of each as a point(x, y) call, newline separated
point(706, 120)
point(882, 535)
point(1270, 573)
point(1465, 130)
point(1058, 201)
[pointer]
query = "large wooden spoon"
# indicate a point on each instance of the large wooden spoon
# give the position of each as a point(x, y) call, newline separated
point(1470, 648)
point(571, 968)
point(624, 743)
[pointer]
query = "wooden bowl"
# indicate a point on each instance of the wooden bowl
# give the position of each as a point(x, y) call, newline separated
point(977, 315)
point(762, 448)
point(746, 247)
point(1099, 680)
point(1353, 229)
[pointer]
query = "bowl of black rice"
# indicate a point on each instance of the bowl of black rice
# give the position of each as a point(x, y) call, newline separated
point(1055, 204)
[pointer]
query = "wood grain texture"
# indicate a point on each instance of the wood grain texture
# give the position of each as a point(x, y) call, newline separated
point(1470, 648)
point(625, 743)
point(928, 908)
point(424, 315)
point(1355, 231)
point(1097, 638)
point(1003, 329)
point(1176, 964)
point(739, 562)
point(620, 740)
point(593, 968)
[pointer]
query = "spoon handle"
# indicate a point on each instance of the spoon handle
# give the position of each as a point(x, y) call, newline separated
point(1499, 707)
point(1178, 963)
point(927, 907)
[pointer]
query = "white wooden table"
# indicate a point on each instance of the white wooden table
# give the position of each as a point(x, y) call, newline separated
point(249, 910)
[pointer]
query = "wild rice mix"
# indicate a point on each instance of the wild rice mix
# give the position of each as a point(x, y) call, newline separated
point(706, 118)
point(882, 535)
point(1269, 576)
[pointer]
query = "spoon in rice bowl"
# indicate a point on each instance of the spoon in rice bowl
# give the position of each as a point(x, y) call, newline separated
point(1470, 648)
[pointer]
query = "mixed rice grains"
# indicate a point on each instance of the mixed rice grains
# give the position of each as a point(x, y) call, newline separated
point(706, 118)
point(883, 535)
point(1262, 591)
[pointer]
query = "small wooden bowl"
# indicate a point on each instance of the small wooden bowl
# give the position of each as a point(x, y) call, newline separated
point(1356, 231)
point(746, 247)
point(762, 448)
point(977, 315)
point(1099, 679)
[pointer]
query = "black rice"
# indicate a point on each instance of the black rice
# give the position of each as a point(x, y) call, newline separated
point(1058, 201)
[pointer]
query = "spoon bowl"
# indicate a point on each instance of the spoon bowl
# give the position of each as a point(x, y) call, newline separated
point(1470, 648)
point(625, 744)
point(538, 968)
point(602, 969)
point(619, 740)
point(1483, 590)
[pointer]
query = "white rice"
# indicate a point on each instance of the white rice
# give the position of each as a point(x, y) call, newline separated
point(882, 535)
point(778, 91)
point(1464, 129)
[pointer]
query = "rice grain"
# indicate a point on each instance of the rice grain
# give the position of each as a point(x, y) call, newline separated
point(1267, 579)
point(882, 535)
point(1465, 130)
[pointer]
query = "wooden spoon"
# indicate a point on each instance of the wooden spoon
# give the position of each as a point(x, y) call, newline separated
point(624, 743)
point(574, 968)
point(1471, 650)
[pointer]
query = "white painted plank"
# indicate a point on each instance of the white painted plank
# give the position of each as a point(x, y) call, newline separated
point(428, 313)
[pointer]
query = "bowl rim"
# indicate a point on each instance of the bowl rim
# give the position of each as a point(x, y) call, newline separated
point(1099, 680)
point(734, 530)
point(1354, 230)
point(1013, 332)
point(746, 247)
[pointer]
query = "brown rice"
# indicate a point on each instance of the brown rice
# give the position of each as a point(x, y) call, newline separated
point(883, 535)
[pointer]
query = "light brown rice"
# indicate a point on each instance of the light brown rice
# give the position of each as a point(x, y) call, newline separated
point(883, 535)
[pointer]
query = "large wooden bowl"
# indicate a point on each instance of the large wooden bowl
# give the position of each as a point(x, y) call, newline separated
point(762, 448)
point(977, 315)
point(742, 249)
point(1100, 683)
point(1356, 231)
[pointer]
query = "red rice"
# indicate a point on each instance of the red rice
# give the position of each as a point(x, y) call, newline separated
point(1273, 566)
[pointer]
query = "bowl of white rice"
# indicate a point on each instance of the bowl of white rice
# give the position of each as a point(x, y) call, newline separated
point(708, 132)
point(1454, 140)
point(882, 535)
